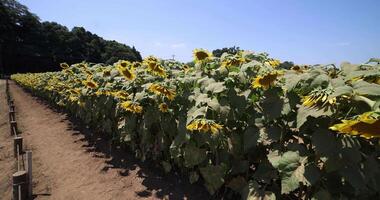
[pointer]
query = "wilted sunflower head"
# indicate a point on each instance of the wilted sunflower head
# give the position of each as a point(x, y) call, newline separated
point(265, 81)
point(130, 106)
point(204, 125)
point(319, 98)
point(366, 125)
point(163, 107)
point(161, 90)
point(201, 55)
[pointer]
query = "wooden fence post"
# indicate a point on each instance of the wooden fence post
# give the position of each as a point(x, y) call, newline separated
point(17, 143)
point(30, 173)
point(12, 115)
point(13, 128)
point(20, 182)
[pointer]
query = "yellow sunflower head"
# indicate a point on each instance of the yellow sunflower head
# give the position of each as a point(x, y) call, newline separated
point(163, 107)
point(366, 125)
point(126, 69)
point(201, 55)
point(161, 90)
point(154, 66)
point(205, 126)
point(265, 81)
point(122, 95)
point(318, 99)
point(235, 60)
point(90, 83)
point(274, 63)
point(106, 73)
point(130, 106)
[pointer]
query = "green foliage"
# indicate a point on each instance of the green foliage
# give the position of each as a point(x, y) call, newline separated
point(247, 129)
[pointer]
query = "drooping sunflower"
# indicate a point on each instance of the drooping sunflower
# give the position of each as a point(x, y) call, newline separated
point(163, 107)
point(130, 106)
point(265, 81)
point(318, 99)
point(366, 125)
point(126, 69)
point(201, 55)
point(161, 90)
point(205, 126)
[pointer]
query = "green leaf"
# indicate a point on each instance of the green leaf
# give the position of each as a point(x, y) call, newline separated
point(324, 142)
point(193, 177)
point(305, 112)
point(254, 192)
point(213, 176)
point(251, 135)
point(167, 167)
point(342, 90)
point(291, 167)
point(322, 195)
point(193, 155)
point(365, 88)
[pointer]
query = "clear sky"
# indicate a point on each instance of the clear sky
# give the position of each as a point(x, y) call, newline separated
point(303, 31)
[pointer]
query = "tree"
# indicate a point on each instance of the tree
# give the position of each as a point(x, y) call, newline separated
point(230, 50)
point(28, 45)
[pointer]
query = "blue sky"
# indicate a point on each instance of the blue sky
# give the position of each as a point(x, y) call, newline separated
point(303, 31)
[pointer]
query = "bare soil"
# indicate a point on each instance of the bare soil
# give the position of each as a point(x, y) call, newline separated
point(72, 163)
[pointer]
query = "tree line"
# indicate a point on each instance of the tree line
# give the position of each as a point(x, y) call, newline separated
point(29, 45)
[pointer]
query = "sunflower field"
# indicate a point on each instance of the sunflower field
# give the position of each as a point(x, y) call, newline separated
point(243, 125)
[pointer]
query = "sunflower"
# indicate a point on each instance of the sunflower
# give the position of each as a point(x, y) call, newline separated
point(122, 95)
point(126, 69)
point(274, 63)
point(201, 55)
point(232, 61)
point(366, 125)
point(154, 66)
point(106, 73)
point(265, 81)
point(297, 69)
point(204, 125)
point(75, 91)
point(186, 68)
point(161, 90)
point(64, 65)
point(318, 98)
point(163, 107)
point(130, 106)
point(90, 83)
point(136, 64)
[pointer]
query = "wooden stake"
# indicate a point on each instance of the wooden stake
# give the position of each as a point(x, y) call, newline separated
point(20, 182)
point(30, 173)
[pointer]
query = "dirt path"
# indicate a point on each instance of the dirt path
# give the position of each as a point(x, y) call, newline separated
point(70, 165)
